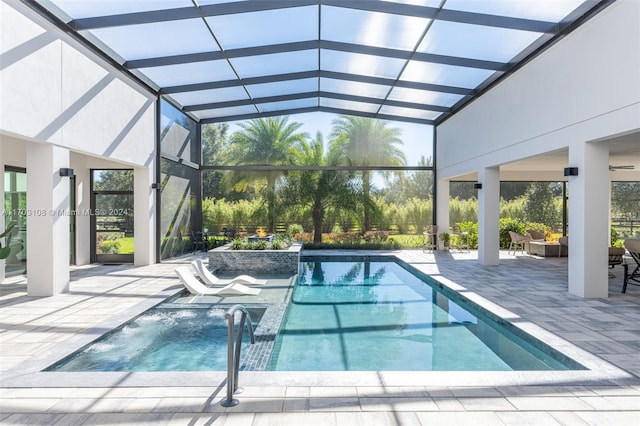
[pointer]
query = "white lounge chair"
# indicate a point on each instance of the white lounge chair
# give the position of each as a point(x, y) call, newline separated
point(210, 279)
point(194, 286)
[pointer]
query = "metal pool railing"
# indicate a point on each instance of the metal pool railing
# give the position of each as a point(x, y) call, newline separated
point(233, 351)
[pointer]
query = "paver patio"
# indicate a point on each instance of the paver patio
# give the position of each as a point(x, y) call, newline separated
point(531, 291)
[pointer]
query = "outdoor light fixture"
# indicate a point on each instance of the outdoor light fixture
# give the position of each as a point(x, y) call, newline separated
point(155, 186)
point(477, 185)
point(571, 171)
point(66, 172)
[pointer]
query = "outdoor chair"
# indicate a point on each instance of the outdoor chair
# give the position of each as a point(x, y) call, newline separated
point(194, 286)
point(460, 239)
point(535, 235)
point(430, 238)
point(198, 241)
point(633, 247)
point(616, 257)
point(209, 278)
point(229, 234)
point(517, 240)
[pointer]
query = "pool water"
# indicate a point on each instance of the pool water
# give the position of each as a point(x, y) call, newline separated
point(364, 313)
point(161, 339)
point(376, 315)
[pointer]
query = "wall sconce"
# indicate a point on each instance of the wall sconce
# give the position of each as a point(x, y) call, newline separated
point(477, 185)
point(66, 172)
point(571, 171)
point(155, 186)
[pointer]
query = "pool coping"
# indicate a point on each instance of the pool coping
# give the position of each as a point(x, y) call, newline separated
point(601, 372)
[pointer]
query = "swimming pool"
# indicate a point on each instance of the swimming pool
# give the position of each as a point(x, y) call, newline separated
point(356, 313)
point(161, 339)
point(373, 314)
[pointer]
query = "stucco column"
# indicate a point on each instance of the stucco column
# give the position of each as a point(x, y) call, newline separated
point(2, 218)
point(489, 216)
point(144, 212)
point(47, 220)
point(588, 219)
point(442, 211)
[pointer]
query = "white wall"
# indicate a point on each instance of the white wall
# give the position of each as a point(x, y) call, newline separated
point(585, 87)
point(581, 92)
point(54, 91)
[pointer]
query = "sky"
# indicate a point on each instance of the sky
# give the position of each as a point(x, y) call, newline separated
point(417, 138)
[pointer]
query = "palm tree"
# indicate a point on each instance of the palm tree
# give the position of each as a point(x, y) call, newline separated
point(263, 141)
point(368, 142)
point(320, 189)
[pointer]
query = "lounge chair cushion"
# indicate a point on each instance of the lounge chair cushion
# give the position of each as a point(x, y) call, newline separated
point(194, 286)
point(208, 278)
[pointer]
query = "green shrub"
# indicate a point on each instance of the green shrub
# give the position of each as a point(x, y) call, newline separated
point(509, 224)
point(471, 228)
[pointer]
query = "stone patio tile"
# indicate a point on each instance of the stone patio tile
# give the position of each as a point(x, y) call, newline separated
point(609, 418)
point(568, 418)
point(463, 392)
point(370, 419)
point(254, 405)
point(296, 404)
point(184, 405)
point(332, 391)
point(31, 419)
point(334, 404)
point(540, 403)
point(294, 419)
point(394, 391)
point(263, 391)
point(297, 392)
point(119, 419)
point(72, 419)
point(35, 405)
point(142, 405)
point(448, 404)
point(192, 419)
point(486, 404)
point(459, 418)
point(397, 404)
point(527, 418)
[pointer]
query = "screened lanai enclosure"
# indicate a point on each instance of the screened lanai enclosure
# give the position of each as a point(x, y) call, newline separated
point(233, 76)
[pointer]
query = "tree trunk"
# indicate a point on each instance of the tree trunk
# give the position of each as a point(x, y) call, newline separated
point(366, 188)
point(317, 216)
point(271, 192)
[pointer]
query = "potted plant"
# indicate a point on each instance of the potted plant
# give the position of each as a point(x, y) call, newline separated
point(445, 237)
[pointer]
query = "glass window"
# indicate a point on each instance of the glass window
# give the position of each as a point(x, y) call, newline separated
point(476, 41)
point(276, 63)
point(194, 72)
point(113, 180)
point(212, 95)
point(349, 105)
point(287, 105)
point(448, 75)
point(225, 112)
point(265, 27)
point(353, 88)
point(372, 28)
point(423, 96)
point(83, 9)
point(409, 112)
point(177, 215)
point(157, 39)
point(548, 10)
point(177, 134)
point(283, 87)
point(359, 64)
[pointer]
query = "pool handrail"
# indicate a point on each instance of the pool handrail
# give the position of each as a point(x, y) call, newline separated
point(233, 351)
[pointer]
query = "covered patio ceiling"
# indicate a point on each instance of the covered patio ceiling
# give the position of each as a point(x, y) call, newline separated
point(406, 60)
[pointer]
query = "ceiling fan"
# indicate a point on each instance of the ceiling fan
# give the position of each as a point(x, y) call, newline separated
point(627, 167)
